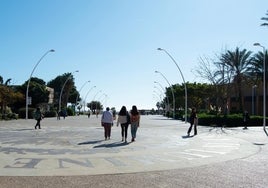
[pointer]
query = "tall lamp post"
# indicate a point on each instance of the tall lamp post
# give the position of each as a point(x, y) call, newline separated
point(63, 88)
point(89, 91)
point(80, 91)
point(185, 87)
point(171, 92)
point(163, 91)
point(27, 90)
point(264, 87)
point(94, 98)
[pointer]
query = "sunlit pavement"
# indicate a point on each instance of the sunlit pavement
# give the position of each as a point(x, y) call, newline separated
point(75, 146)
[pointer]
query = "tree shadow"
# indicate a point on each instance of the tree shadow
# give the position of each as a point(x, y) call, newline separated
point(111, 145)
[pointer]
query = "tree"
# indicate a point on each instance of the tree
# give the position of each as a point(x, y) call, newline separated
point(69, 91)
point(94, 105)
point(37, 91)
point(257, 66)
point(8, 95)
point(237, 62)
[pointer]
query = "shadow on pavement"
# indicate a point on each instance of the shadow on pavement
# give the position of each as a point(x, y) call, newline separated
point(90, 142)
point(184, 137)
point(23, 129)
point(115, 144)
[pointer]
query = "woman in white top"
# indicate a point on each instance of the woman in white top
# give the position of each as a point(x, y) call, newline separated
point(123, 119)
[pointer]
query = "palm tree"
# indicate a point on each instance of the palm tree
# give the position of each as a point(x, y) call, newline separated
point(238, 63)
point(265, 19)
point(257, 66)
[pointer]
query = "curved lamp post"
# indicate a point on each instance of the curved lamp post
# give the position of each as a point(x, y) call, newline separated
point(185, 88)
point(89, 91)
point(264, 88)
point(63, 88)
point(102, 101)
point(27, 90)
point(95, 97)
point(163, 91)
point(80, 91)
point(171, 91)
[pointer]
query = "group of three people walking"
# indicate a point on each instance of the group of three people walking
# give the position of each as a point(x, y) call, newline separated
point(124, 119)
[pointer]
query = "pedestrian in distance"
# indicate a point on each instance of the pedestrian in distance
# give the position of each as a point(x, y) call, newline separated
point(107, 122)
point(124, 120)
point(135, 121)
point(193, 122)
point(245, 119)
point(38, 117)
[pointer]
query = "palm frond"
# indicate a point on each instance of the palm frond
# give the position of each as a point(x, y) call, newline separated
point(264, 24)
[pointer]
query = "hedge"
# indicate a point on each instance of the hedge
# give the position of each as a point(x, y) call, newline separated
point(233, 120)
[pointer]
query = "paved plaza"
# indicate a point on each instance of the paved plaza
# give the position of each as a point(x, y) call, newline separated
point(72, 152)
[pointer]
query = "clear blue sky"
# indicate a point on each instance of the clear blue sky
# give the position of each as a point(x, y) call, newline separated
point(113, 42)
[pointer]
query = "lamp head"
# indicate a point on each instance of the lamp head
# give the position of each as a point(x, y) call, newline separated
point(257, 44)
point(52, 50)
point(156, 71)
point(159, 49)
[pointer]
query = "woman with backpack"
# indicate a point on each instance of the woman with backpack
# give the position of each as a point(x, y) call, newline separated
point(135, 121)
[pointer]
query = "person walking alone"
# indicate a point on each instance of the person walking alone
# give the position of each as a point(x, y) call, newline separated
point(38, 117)
point(124, 120)
point(107, 122)
point(135, 121)
point(193, 122)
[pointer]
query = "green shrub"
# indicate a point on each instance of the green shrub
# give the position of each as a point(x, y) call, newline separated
point(22, 113)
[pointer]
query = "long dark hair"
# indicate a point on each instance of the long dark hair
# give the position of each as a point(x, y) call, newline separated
point(123, 111)
point(134, 110)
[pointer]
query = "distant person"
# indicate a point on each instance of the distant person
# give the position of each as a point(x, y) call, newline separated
point(88, 115)
point(124, 120)
point(64, 113)
point(135, 121)
point(38, 117)
point(245, 119)
point(114, 114)
point(58, 115)
point(107, 122)
point(193, 122)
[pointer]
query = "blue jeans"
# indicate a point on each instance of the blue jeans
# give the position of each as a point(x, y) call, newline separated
point(134, 128)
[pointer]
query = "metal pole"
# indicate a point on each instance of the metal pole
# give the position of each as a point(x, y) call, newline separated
point(185, 87)
point(80, 91)
point(163, 91)
point(171, 92)
point(63, 88)
point(27, 90)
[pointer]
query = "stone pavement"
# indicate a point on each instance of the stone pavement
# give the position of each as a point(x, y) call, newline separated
point(75, 147)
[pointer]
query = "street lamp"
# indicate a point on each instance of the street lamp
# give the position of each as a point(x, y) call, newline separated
point(94, 98)
point(264, 88)
point(185, 88)
point(80, 91)
point(171, 92)
point(63, 88)
point(27, 90)
point(88, 92)
point(163, 91)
